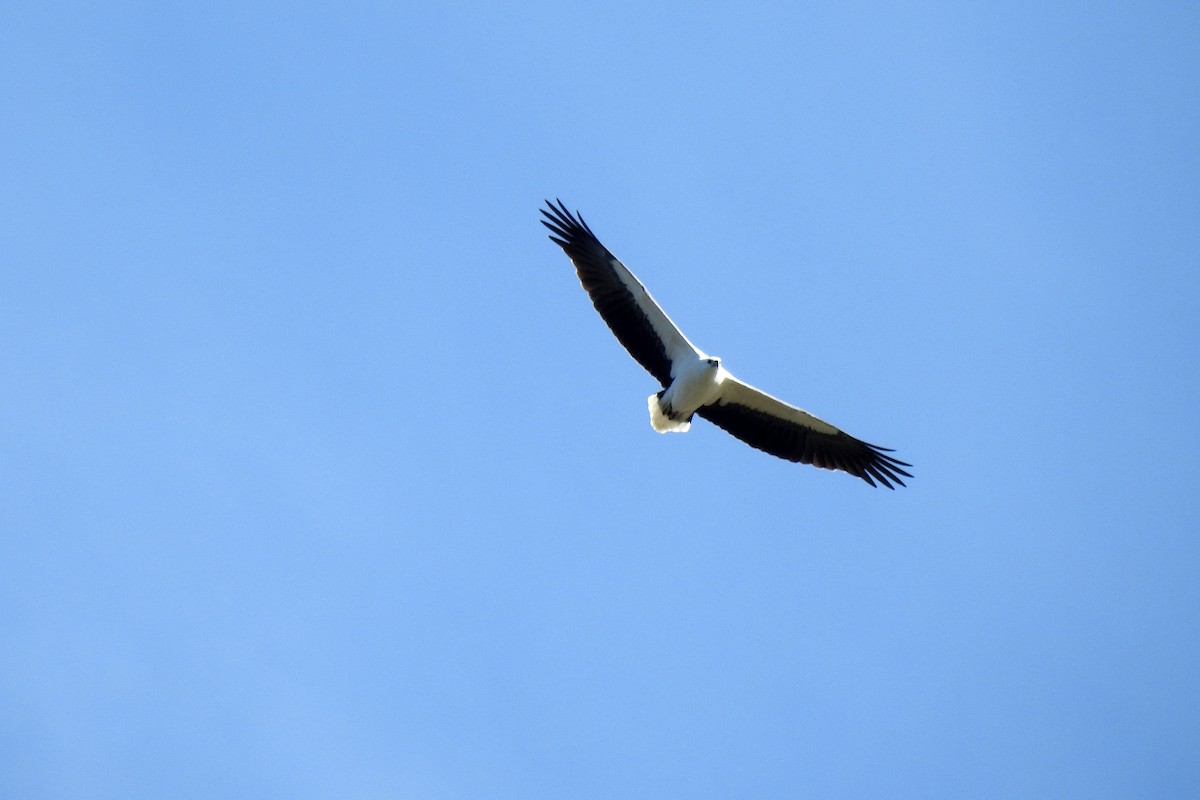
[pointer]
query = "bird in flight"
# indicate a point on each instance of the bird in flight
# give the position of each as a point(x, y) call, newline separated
point(696, 383)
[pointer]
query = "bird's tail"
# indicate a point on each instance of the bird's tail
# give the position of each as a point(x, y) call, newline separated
point(664, 419)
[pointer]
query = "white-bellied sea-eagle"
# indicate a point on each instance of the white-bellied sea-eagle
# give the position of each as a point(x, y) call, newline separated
point(696, 383)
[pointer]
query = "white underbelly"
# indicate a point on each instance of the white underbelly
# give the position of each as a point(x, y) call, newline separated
point(692, 389)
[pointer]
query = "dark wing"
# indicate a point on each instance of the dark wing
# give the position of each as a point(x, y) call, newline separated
point(771, 425)
point(630, 312)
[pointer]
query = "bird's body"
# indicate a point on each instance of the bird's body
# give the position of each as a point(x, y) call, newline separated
point(696, 383)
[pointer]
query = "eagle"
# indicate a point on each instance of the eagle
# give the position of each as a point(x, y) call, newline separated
point(696, 383)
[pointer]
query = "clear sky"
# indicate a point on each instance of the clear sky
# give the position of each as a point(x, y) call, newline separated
point(322, 478)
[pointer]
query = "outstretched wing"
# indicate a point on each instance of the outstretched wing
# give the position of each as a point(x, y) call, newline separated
point(775, 427)
point(630, 312)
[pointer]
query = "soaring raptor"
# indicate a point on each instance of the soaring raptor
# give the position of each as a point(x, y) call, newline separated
point(696, 383)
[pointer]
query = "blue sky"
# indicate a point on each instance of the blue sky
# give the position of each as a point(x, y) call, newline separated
point(323, 478)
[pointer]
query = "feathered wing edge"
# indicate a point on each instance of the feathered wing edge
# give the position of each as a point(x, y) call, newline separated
point(783, 430)
point(633, 316)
